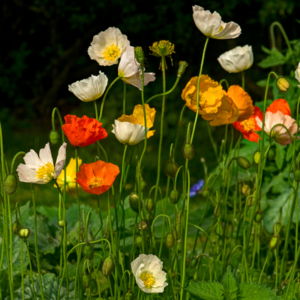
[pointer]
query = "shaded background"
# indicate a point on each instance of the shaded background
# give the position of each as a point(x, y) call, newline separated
point(44, 48)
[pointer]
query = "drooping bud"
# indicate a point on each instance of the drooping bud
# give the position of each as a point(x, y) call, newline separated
point(149, 205)
point(54, 137)
point(108, 266)
point(256, 157)
point(170, 240)
point(24, 233)
point(271, 154)
point(85, 280)
point(174, 196)
point(135, 202)
point(246, 189)
point(139, 241)
point(88, 251)
point(243, 163)
point(188, 151)
point(297, 175)
point(10, 184)
point(144, 225)
point(93, 286)
point(277, 228)
point(182, 66)
point(274, 242)
point(139, 55)
point(16, 227)
point(61, 223)
point(171, 168)
point(258, 217)
point(282, 84)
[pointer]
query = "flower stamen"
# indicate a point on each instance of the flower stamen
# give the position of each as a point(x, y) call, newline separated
point(45, 172)
point(148, 280)
point(249, 124)
point(95, 182)
point(111, 52)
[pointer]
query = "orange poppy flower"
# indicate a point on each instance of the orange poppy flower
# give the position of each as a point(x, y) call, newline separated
point(280, 105)
point(247, 127)
point(96, 178)
point(83, 131)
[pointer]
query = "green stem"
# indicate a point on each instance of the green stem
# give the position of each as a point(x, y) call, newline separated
point(96, 109)
point(13, 161)
point(243, 79)
point(55, 110)
point(178, 130)
point(30, 270)
point(226, 82)
point(22, 273)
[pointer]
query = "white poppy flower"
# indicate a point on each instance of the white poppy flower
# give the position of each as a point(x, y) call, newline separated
point(297, 73)
point(108, 46)
point(89, 89)
point(210, 24)
point(40, 169)
point(129, 70)
point(148, 273)
point(128, 133)
point(237, 60)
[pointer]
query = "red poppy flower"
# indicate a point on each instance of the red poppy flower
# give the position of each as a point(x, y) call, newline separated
point(96, 178)
point(83, 131)
point(280, 105)
point(248, 126)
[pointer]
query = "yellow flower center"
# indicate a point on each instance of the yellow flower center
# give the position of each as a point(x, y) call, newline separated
point(111, 53)
point(148, 280)
point(220, 29)
point(45, 172)
point(249, 124)
point(96, 182)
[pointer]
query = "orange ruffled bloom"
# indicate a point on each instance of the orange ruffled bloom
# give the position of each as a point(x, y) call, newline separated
point(242, 100)
point(96, 178)
point(247, 127)
point(215, 105)
point(280, 105)
point(84, 131)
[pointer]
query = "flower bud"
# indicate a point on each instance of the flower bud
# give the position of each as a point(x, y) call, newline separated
point(10, 184)
point(182, 66)
point(54, 137)
point(258, 217)
point(144, 225)
point(188, 151)
point(256, 157)
point(139, 55)
point(195, 277)
point(174, 196)
point(85, 280)
point(243, 163)
point(88, 251)
point(178, 231)
point(274, 242)
point(282, 84)
point(271, 154)
point(170, 240)
point(108, 266)
point(24, 233)
point(149, 205)
point(139, 241)
point(135, 202)
point(171, 168)
point(277, 228)
point(93, 286)
point(16, 227)
point(250, 201)
point(246, 189)
point(297, 175)
point(61, 223)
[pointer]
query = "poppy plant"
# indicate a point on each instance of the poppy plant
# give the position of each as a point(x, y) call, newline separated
point(96, 178)
point(84, 131)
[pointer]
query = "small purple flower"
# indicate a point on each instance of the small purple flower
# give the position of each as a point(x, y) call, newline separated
point(196, 188)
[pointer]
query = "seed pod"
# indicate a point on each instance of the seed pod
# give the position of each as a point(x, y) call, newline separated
point(93, 286)
point(271, 154)
point(54, 137)
point(174, 196)
point(149, 204)
point(10, 184)
point(182, 66)
point(144, 225)
point(171, 168)
point(188, 151)
point(194, 262)
point(274, 242)
point(61, 223)
point(135, 202)
point(282, 84)
point(256, 157)
point(139, 55)
point(277, 228)
point(16, 227)
point(108, 266)
point(297, 175)
point(170, 240)
point(24, 233)
point(258, 217)
point(139, 241)
point(88, 251)
point(246, 189)
point(85, 280)
point(243, 163)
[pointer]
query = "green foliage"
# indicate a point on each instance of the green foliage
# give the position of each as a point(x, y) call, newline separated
point(206, 290)
point(250, 291)
point(230, 285)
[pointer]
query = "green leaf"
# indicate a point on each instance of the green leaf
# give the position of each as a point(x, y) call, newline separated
point(250, 291)
point(206, 290)
point(230, 286)
point(275, 58)
point(280, 155)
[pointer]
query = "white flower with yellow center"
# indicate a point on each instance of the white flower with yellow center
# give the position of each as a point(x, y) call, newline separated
point(148, 273)
point(89, 89)
point(40, 169)
point(297, 73)
point(211, 25)
point(108, 46)
point(130, 72)
point(237, 60)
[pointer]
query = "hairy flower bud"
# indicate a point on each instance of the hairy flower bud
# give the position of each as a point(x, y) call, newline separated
point(246, 189)
point(54, 137)
point(149, 205)
point(174, 196)
point(188, 151)
point(88, 251)
point(169, 240)
point(282, 84)
point(256, 157)
point(139, 55)
point(182, 66)
point(135, 202)
point(108, 266)
point(16, 227)
point(274, 242)
point(10, 184)
point(258, 217)
point(243, 163)
point(171, 168)
point(85, 280)
point(139, 241)
point(24, 233)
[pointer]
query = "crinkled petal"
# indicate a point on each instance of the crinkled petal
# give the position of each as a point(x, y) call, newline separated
point(32, 160)
point(45, 154)
point(60, 160)
point(28, 175)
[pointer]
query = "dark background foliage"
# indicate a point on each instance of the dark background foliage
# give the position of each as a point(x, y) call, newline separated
point(44, 48)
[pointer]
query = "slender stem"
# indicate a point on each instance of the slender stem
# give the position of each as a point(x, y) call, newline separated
point(22, 272)
point(226, 82)
point(178, 130)
point(96, 109)
point(123, 168)
point(14, 159)
point(262, 270)
point(10, 243)
point(30, 270)
point(55, 110)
